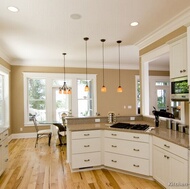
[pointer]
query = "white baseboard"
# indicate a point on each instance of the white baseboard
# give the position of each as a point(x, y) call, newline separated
point(22, 135)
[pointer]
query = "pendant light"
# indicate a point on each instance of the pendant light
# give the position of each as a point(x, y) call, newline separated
point(119, 89)
point(64, 89)
point(103, 89)
point(86, 89)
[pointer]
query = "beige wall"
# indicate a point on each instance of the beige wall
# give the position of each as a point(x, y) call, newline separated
point(111, 100)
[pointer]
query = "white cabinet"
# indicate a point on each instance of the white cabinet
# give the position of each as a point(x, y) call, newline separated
point(3, 151)
point(170, 164)
point(85, 149)
point(178, 58)
point(127, 151)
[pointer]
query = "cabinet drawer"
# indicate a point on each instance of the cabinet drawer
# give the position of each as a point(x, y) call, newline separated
point(127, 163)
point(86, 134)
point(136, 149)
point(86, 160)
point(3, 135)
point(171, 147)
point(86, 145)
point(127, 136)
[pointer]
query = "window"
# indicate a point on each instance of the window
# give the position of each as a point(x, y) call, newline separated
point(37, 98)
point(138, 94)
point(4, 97)
point(84, 99)
point(41, 96)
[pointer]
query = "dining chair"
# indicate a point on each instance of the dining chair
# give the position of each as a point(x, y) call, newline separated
point(41, 133)
point(61, 133)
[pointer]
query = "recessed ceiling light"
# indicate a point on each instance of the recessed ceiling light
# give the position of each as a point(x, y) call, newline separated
point(13, 9)
point(134, 23)
point(75, 16)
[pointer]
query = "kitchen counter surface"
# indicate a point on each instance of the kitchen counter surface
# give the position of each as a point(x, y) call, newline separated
point(176, 137)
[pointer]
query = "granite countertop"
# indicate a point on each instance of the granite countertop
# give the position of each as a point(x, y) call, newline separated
point(176, 137)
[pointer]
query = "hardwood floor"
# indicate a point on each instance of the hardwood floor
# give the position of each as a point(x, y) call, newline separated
point(45, 167)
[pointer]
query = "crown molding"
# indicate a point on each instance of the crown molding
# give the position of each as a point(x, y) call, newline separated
point(182, 19)
point(5, 57)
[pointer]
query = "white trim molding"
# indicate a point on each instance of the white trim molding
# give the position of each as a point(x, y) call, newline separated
point(182, 19)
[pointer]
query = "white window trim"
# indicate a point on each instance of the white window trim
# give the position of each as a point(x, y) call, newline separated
point(49, 85)
point(6, 73)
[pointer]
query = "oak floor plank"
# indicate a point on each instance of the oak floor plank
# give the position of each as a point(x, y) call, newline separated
point(45, 167)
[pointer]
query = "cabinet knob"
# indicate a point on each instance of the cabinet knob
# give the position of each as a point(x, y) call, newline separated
point(114, 146)
point(86, 160)
point(114, 134)
point(136, 137)
point(86, 146)
point(114, 161)
point(86, 134)
point(136, 165)
point(137, 150)
point(166, 146)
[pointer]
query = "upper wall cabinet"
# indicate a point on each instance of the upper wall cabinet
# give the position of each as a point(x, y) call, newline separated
point(178, 58)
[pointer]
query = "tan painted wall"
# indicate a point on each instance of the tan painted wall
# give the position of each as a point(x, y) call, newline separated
point(111, 100)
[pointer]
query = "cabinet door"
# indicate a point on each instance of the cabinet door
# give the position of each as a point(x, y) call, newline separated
point(178, 173)
point(178, 58)
point(160, 166)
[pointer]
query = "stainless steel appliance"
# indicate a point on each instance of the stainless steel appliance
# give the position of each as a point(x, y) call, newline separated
point(179, 89)
point(111, 117)
point(130, 126)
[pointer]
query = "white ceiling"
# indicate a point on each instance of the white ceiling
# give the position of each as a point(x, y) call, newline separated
point(42, 30)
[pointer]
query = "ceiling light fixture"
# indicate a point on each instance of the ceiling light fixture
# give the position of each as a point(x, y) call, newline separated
point(86, 87)
point(13, 9)
point(103, 89)
point(134, 24)
point(119, 89)
point(64, 89)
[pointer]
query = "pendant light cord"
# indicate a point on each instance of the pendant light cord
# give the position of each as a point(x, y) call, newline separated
point(103, 40)
point(86, 39)
point(64, 65)
point(119, 60)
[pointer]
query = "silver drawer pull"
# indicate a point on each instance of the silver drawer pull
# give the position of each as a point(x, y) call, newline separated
point(86, 160)
point(137, 150)
point(86, 134)
point(114, 161)
point(114, 134)
point(135, 137)
point(166, 146)
point(136, 165)
point(86, 146)
point(114, 146)
point(6, 134)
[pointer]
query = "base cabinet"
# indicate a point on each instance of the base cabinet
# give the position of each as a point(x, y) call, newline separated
point(127, 151)
point(169, 169)
point(85, 149)
point(3, 151)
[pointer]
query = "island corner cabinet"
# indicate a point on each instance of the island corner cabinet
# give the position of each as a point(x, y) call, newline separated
point(93, 149)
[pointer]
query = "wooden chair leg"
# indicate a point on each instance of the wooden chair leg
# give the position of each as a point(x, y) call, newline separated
point(49, 139)
point(36, 140)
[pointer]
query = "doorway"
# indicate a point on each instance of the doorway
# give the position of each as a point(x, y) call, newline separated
point(159, 93)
